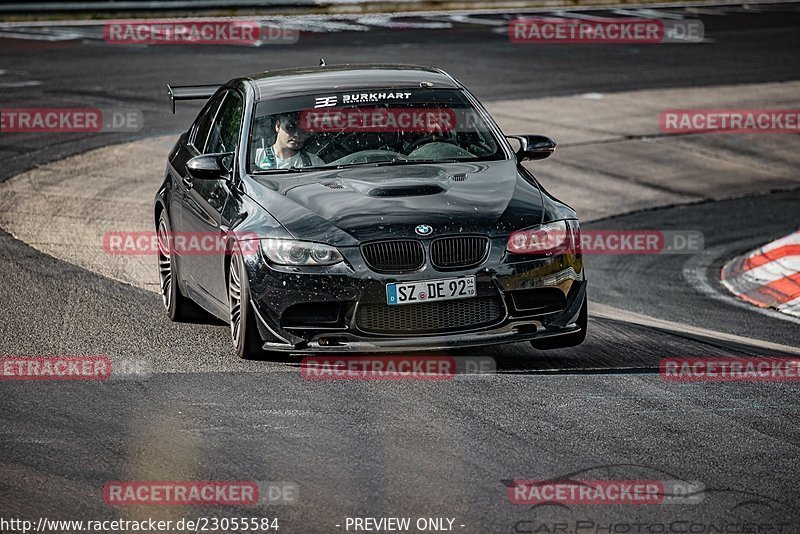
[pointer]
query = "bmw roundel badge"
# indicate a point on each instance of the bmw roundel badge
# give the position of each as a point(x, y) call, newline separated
point(423, 229)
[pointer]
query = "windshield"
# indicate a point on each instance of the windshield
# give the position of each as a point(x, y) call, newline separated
point(368, 127)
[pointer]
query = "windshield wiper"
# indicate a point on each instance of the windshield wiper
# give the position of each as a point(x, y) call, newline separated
point(287, 170)
point(414, 161)
point(396, 161)
point(346, 165)
point(393, 161)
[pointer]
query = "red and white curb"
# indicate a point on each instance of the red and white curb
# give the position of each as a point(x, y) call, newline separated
point(768, 277)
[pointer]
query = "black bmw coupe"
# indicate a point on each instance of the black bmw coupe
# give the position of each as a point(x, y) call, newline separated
point(365, 208)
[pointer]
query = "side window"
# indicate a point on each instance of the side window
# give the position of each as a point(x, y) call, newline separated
point(224, 136)
point(203, 124)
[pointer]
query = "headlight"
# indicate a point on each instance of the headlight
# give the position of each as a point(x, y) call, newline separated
point(557, 237)
point(289, 252)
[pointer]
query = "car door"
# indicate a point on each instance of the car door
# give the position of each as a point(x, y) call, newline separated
point(205, 200)
point(193, 145)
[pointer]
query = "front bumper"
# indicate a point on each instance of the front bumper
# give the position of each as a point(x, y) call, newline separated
point(313, 310)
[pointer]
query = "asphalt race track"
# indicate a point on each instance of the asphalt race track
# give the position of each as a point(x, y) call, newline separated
point(409, 448)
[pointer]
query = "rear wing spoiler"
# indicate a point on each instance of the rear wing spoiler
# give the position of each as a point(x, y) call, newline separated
point(190, 92)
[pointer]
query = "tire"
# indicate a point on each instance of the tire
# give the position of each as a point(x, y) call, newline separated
point(178, 307)
point(570, 340)
point(247, 341)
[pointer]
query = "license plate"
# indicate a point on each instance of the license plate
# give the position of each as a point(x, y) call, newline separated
point(430, 290)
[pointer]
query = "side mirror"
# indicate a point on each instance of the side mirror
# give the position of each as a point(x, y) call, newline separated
point(210, 166)
point(534, 146)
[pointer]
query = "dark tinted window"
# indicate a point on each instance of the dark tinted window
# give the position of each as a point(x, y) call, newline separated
point(203, 124)
point(224, 136)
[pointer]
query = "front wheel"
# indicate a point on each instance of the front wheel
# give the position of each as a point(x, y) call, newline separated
point(569, 340)
point(244, 333)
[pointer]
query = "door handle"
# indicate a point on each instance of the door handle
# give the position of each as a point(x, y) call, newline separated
point(188, 182)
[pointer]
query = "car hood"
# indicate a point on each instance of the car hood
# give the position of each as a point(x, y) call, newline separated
point(348, 206)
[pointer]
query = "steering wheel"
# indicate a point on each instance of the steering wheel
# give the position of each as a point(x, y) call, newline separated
point(333, 143)
point(369, 156)
point(438, 137)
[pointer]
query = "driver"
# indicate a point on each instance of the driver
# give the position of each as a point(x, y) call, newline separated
point(287, 151)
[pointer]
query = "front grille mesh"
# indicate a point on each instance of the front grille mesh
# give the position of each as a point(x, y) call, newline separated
point(394, 256)
point(429, 317)
point(458, 252)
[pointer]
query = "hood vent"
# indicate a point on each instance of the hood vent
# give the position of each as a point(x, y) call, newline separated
point(461, 177)
point(407, 190)
point(333, 185)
